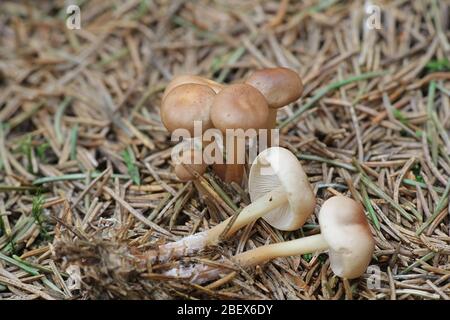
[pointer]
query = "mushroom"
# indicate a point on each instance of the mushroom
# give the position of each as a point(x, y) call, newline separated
point(186, 79)
point(189, 163)
point(169, 106)
point(280, 192)
point(186, 104)
point(345, 233)
point(236, 109)
point(280, 86)
point(192, 158)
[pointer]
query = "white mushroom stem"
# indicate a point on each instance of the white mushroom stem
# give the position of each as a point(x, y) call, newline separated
point(252, 212)
point(201, 273)
point(345, 233)
point(283, 249)
point(198, 241)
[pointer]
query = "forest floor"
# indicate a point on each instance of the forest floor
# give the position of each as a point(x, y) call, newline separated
point(85, 170)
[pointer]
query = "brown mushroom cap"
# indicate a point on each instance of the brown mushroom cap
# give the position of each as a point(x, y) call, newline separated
point(185, 79)
point(344, 226)
point(185, 104)
point(239, 106)
point(280, 86)
point(188, 159)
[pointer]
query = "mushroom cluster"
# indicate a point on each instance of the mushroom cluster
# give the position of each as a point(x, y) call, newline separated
point(278, 186)
point(231, 109)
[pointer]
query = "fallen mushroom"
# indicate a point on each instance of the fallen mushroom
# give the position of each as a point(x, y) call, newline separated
point(280, 86)
point(236, 109)
point(345, 233)
point(188, 79)
point(280, 192)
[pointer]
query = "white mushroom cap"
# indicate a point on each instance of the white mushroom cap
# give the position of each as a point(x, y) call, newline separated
point(344, 226)
point(275, 167)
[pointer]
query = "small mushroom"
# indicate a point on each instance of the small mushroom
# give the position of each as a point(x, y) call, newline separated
point(345, 233)
point(186, 104)
point(287, 203)
point(186, 79)
point(194, 160)
point(280, 86)
point(237, 106)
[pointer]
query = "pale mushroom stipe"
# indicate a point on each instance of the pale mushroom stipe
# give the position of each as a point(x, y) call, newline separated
point(280, 192)
point(345, 233)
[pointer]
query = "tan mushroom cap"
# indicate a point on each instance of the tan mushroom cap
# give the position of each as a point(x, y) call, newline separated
point(185, 79)
point(344, 226)
point(275, 167)
point(280, 86)
point(190, 158)
point(185, 104)
point(239, 106)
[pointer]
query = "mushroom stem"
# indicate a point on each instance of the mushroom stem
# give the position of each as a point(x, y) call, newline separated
point(345, 232)
point(196, 242)
point(229, 172)
point(271, 125)
point(200, 273)
point(252, 212)
point(234, 171)
point(283, 249)
point(272, 119)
